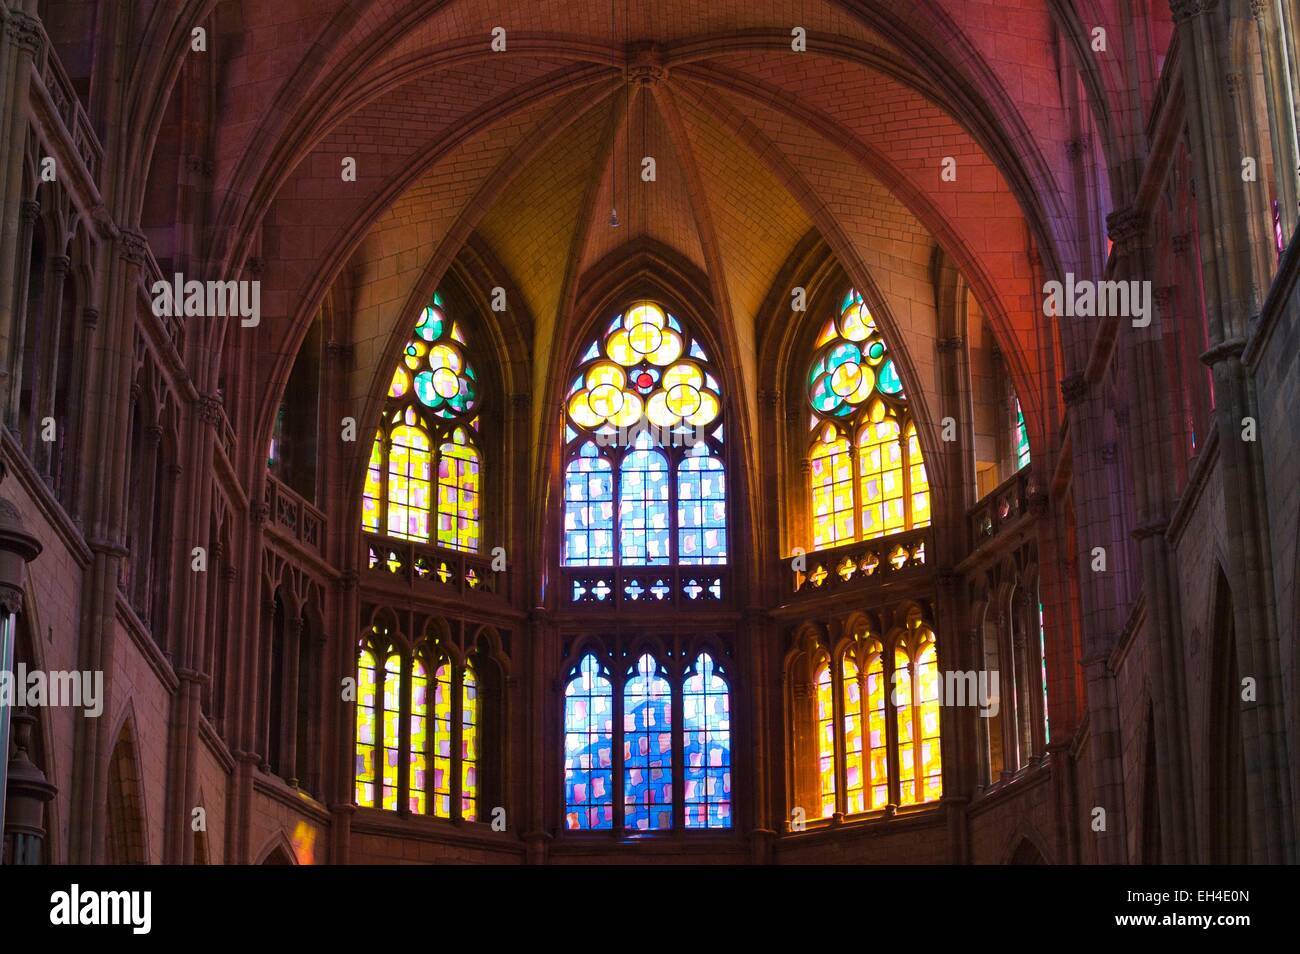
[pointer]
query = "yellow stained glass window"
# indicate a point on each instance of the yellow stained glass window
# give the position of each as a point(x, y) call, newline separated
point(856, 394)
point(431, 415)
point(930, 762)
point(646, 393)
point(854, 778)
point(391, 721)
point(832, 490)
point(826, 740)
point(367, 721)
point(418, 761)
point(458, 494)
point(877, 736)
point(409, 464)
point(906, 726)
point(916, 691)
point(372, 500)
point(469, 745)
point(919, 486)
point(442, 740)
point(880, 466)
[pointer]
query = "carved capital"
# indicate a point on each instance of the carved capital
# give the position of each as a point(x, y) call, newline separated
point(1180, 243)
point(24, 31)
point(90, 317)
point(254, 266)
point(61, 264)
point(1125, 226)
point(133, 246)
point(154, 433)
point(30, 210)
point(1259, 9)
point(1075, 148)
point(1074, 389)
point(1184, 10)
point(1108, 452)
point(258, 513)
point(347, 582)
point(769, 397)
point(1224, 351)
point(11, 599)
point(1235, 83)
point(209, 409)
point(948, 345)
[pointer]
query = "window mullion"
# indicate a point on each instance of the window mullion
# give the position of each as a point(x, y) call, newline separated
point(616, 755)
point(404, 733)
point(457, 731)
point(837, 714)
point(891, 728)
point(677, 687)
point(905, 455)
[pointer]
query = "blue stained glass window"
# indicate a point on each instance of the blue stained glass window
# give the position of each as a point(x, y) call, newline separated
point(701, 509)
point(706, 719)
point(646, 393)
point(647, 749)
point(588, 510)
point(643, 507)
point(589, 748)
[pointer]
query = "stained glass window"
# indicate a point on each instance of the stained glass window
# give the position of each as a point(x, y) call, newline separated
point(419, 760)
point(469, 722)
point(425, 444)
point(442, 740)
point(589, 509)
point(643, 506)
point(458, 493)
point(589, 747)
point(854, 778)
point(647, 748)
point(367, 722)
point(826, 740)
point(706, 717)
point(1022, 438)
point(857, 398)
point(646, 764)
point(916, 693)
point(701, 508)
point(643, 428)
point(415, 691)
point(391, 721)
point(854, 768)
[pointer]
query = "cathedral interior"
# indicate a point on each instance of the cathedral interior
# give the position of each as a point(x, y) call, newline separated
point(763, 431)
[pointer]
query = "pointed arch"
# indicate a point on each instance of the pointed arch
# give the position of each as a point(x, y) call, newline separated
point(277, 851)
point(1226, 815)
point(867, 473)
point(423, 477)
point(644, 476)
point(126, 832)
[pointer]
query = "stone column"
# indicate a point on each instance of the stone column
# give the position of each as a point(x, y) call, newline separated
point(43, 403)
point(21, 48)
point(1232, 301)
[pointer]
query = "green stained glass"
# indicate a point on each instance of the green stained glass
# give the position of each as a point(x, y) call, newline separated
point(888, 380)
